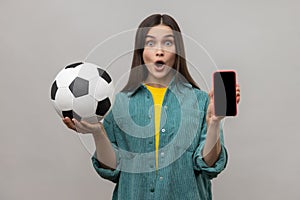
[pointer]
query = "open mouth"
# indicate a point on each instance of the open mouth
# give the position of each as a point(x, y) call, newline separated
point(159, 64)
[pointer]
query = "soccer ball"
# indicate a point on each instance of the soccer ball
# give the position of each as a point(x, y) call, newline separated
point(82, 91)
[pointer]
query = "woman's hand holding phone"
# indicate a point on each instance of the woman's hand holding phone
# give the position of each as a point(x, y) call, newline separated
point(224, 96)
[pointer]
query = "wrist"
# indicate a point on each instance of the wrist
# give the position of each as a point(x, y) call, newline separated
point(214, 121)
point(98, 136)
point(100, 131)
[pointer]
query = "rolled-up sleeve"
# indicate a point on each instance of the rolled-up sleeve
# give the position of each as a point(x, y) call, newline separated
point(213, 171)
point(109, 174)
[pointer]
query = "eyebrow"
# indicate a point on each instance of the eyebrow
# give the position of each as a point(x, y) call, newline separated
point(170, 35)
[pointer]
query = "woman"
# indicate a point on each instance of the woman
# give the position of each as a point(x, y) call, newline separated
point(161, 140)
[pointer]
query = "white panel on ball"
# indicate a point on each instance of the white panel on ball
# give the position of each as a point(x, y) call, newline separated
point(84, 106)
point(102, 90)
point(64, 99)
point(66, 76)
point(88, 71)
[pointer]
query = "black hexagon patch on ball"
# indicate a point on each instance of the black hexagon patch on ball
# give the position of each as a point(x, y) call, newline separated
point(103, 106)
point(79, 87)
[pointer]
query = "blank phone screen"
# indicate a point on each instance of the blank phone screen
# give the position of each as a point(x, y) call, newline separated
point(224, 93)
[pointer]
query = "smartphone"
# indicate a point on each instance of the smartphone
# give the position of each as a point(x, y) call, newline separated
point(224, 84)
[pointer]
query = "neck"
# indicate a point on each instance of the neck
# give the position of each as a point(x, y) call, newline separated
point(159, 83)
point(156, 85)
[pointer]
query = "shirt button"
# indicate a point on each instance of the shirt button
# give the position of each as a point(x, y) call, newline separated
point(149, 116)
point(152, 190)
point(162, 154)
point(161, 178)
point(163, 130)
point(165, 107)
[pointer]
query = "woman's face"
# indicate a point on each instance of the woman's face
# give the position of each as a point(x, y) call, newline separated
point(159, 54)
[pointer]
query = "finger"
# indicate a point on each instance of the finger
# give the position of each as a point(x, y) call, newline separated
point(78, 125)
point(211, 92)
point(211, 95)
point(69, 123)
point(66, 119)
point(85, 124)
point(238, 99)
point(88, 127)
point(210, 109)
point(238, 90)
point(70, 126)
point(238, 96)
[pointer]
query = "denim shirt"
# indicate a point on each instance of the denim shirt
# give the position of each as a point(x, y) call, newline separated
point(182, 173)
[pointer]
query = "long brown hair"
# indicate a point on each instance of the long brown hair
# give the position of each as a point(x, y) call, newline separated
point(139, 74)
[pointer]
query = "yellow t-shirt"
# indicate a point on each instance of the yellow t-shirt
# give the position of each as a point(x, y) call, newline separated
point(158, 96)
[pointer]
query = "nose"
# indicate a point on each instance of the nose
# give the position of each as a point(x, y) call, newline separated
point(159, 52)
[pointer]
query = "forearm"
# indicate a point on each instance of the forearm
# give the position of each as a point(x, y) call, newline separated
point(212, 147)
point(104, 150)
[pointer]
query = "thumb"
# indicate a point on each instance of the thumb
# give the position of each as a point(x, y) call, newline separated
point(211, 95)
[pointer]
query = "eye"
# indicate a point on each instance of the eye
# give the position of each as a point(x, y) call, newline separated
point(150, 43)
point(168, 43)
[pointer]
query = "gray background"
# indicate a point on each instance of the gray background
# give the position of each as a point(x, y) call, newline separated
point(41, 159)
